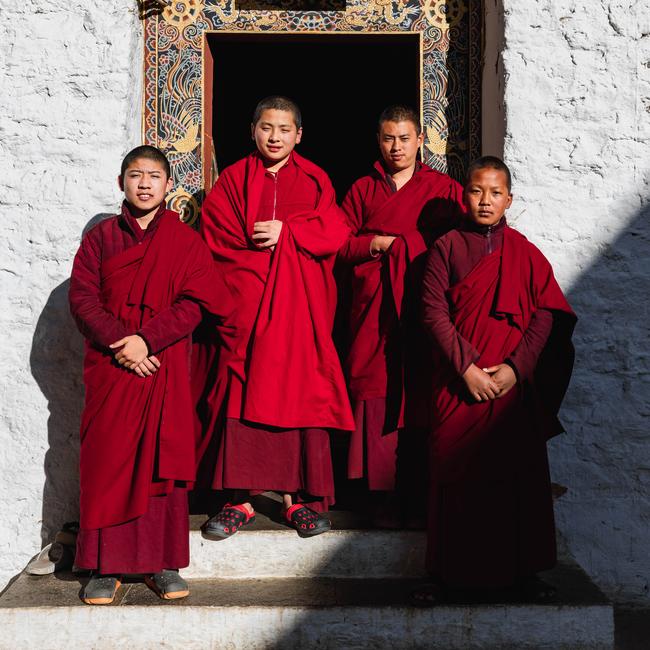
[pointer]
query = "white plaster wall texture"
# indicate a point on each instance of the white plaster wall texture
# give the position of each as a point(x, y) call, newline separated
point(70, 74)
point(577, 96)
point(577, 103)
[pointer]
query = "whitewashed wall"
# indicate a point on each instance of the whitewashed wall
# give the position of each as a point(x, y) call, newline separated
point(577, 136)
point(69, 108)
point(577, 111)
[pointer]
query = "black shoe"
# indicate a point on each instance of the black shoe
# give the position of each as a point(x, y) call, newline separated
point(100, 590)
point(429, 594)
point(306, 521)
point(227, 522)
point(168, 584)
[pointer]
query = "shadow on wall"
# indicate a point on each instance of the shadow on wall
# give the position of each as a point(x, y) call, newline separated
point(605, 457)
point(56, 361)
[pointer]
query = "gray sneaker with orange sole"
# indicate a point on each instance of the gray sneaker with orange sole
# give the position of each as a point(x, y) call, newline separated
point(168, 584)
point(100, 590)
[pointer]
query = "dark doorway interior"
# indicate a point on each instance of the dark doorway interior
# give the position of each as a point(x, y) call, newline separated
point(340, 81)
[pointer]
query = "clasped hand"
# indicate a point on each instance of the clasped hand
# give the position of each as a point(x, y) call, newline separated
point(267, 233)
point(381, 243)
point(132, 353)
point(489, 383)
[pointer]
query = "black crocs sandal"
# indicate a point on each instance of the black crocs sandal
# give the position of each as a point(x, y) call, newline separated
point(100, 589)
point(306, 521)
point(428, 594)
point(168, 584)
point(225, 524)
point(534, 589)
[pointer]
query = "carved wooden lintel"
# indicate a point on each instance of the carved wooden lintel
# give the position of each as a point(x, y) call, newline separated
point(291, 5)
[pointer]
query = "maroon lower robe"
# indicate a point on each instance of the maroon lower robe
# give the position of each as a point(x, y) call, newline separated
point(279, 387)
point(156, 540)
point(387, 347)
point(490, 297)
point(137, 444)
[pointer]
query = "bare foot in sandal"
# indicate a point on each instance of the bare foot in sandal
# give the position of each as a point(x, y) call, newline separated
point(306, 521)
point(228, 521)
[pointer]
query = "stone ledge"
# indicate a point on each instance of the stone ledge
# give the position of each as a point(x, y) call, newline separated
point(283, 554)
point(300, 613)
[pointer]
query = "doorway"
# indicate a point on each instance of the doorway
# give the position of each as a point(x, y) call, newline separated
point(341, 81)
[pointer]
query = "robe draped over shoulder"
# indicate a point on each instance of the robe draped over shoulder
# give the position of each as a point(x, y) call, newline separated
point(283, 370)
point(491, 517)
point(387, 362)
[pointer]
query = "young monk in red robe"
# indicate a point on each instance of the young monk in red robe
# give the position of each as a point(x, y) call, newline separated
point(136, 286)
point(395, 214)
point(501, 329)
point(273, 226)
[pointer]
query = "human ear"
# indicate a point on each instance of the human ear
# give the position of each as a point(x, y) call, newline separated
point(299, 135)
point(120, 183)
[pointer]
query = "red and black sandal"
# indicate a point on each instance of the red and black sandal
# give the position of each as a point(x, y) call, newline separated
point(306, 521)
point(227, 522)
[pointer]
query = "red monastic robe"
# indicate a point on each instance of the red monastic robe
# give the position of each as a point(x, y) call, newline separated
point(490, 506)
point(384, 323)
point(136, 434)
point(280, 385)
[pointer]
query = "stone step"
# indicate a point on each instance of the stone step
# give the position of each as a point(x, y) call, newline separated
point(267, 548)
point(284, 613)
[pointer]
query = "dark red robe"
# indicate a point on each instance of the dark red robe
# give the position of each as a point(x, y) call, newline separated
point(280, 386)
point(136, 433)
point(384, 318)
point(490, 297)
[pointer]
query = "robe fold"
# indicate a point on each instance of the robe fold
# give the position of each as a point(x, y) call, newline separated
point(387, 349)
point(490, 506)
point(281, 377)
point(136, 433)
